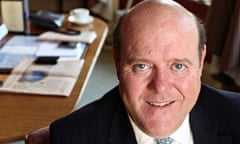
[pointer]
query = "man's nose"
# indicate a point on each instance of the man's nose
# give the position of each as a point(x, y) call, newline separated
point(160, 81)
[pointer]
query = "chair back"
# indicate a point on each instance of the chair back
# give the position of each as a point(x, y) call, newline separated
point(39, 136)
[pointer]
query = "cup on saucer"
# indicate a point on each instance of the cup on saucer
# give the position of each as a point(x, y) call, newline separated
point(80, 16)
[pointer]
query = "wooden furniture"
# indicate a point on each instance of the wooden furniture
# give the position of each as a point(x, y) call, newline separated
point(23, 113)
point(39, 136)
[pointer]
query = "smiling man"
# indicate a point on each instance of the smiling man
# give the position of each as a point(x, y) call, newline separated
point(159, 68)
point(159, 50)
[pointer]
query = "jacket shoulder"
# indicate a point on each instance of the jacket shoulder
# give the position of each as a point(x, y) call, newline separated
point(93, 118)
point(217, 111)
point(220, 98)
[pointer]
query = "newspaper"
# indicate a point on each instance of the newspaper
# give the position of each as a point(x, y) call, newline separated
point(84, 36)
point(57, 80)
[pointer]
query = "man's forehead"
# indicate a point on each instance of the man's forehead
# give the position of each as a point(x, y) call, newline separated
point(154, 13)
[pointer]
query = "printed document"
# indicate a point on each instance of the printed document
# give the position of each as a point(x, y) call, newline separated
point(57, 80)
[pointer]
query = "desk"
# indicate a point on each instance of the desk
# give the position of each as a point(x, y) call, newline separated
point(20, 114)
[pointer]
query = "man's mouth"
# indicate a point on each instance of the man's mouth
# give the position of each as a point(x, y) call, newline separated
point(160, 104)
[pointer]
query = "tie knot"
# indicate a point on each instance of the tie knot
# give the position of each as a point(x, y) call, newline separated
point(167, 140)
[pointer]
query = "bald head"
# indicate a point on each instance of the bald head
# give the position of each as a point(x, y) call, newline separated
point(157, 16)
point(161, 8)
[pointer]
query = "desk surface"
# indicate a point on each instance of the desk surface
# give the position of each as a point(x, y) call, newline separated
point(20, 114)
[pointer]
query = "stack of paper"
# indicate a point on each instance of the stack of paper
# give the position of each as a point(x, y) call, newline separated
point(84, 36)
point(53, 49)
point(28, 46)
point(31, 78)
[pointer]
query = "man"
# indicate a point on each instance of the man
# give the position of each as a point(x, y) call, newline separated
point(159, 50)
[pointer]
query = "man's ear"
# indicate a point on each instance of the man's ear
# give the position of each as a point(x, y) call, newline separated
point(203, 55)
point(116, 61)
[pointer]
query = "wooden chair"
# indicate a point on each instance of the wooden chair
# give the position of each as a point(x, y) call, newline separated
point(39, 136)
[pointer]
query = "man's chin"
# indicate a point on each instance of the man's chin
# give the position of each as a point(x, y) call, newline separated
point(161, 129)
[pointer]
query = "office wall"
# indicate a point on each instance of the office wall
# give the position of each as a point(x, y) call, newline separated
point(54, 5)
point(35, 5)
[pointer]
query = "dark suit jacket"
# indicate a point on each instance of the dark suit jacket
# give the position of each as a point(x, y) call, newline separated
point(215, 119)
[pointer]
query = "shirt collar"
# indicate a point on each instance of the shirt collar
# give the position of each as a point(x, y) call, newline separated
point(141, 137)
point(183, 134)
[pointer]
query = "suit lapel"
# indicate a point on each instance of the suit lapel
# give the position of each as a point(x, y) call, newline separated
point(209, 136)
point(206, 125)
point(121, 131)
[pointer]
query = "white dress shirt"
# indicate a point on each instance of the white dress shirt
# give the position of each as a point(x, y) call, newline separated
point(182, 135)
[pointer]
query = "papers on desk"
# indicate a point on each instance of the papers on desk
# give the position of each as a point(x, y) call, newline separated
point(53, 49)
point(84, 36)
point(30, 46)
point(15, 50)
point(27, 76)
point(27, 46)
point(30, 78)
point(19, 44)
point(9, 60)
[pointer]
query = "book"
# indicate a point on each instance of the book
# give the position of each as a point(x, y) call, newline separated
point(30, 78)
point(15, 14)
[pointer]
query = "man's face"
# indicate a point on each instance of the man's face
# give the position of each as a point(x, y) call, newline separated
point(159, 73)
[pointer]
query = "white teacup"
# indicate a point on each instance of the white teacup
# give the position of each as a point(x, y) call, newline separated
point(80, 14)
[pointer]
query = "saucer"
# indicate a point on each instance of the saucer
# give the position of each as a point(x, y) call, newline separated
point(81, 22)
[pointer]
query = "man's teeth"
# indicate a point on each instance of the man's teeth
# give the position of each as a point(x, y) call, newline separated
point(161, 104)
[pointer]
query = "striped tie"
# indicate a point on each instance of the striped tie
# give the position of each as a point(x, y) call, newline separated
point(167, 140)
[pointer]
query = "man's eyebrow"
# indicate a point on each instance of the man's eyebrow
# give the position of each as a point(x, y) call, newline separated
point(136, 59)
point(185, 60)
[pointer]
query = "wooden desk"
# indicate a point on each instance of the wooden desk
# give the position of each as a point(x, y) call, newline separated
point(20, 114)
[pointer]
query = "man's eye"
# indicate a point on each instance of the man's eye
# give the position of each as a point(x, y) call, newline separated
point(179, 67)
point(140, 67)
